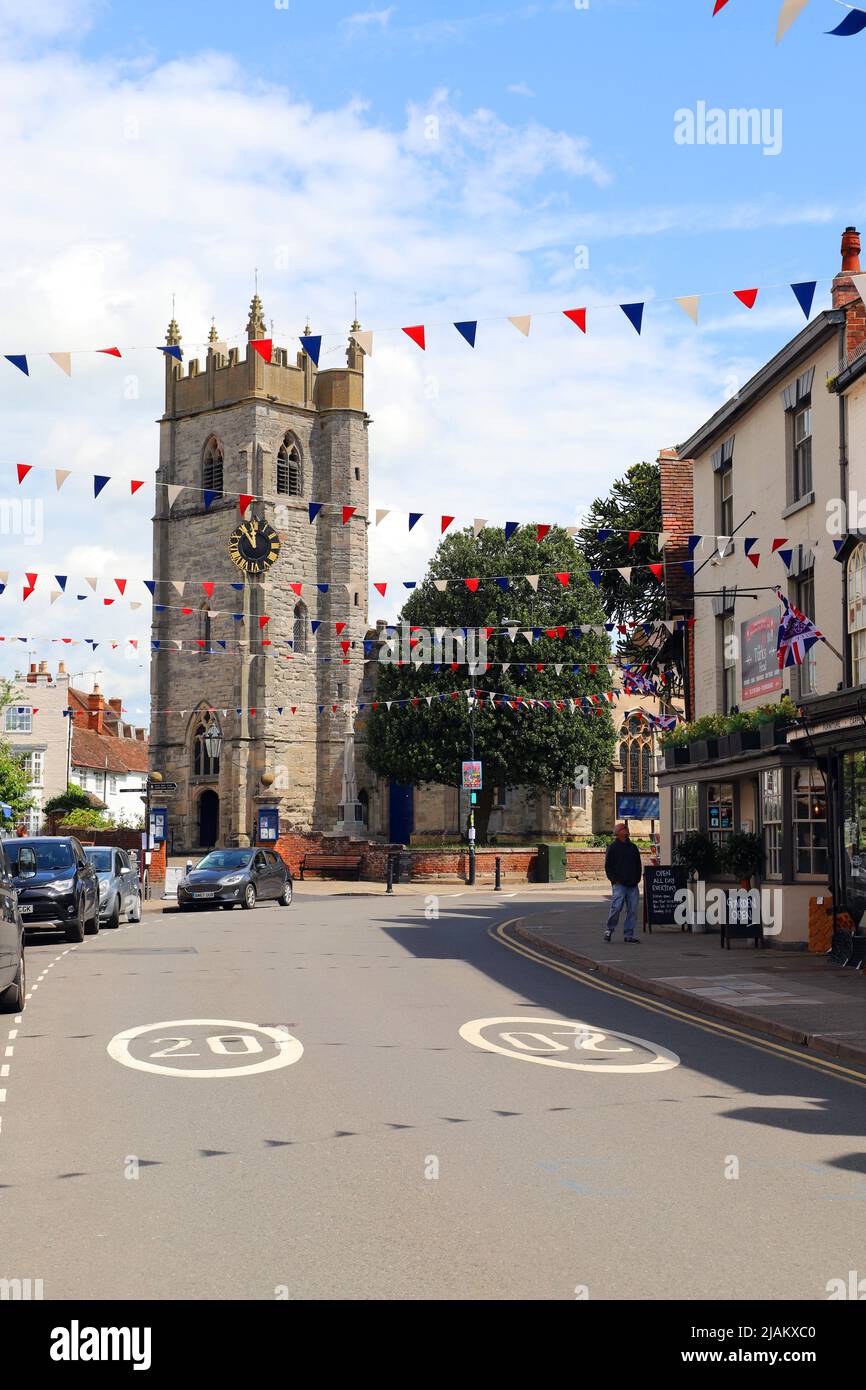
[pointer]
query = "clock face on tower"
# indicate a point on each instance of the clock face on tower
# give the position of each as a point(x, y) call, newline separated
point(254, 546)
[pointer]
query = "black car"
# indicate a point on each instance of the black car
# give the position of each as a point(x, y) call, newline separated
point(57, 885)
point(12, 974)
point(226, 877)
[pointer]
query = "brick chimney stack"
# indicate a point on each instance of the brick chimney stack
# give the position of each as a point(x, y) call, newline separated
point(96, 707)
point(846, 295)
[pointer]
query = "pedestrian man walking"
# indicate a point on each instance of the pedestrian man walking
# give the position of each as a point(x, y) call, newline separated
point(623, 867)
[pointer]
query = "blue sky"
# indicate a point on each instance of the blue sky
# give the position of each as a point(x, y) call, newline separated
point(168, 148)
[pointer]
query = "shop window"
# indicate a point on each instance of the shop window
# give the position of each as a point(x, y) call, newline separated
point(856, 613)
point(720, 811)
point(854, 824)
point(685, 810)
point(810, 822)
point(771, 821)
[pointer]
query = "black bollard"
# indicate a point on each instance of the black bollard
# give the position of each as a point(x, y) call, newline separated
point(390, 888)
point(498, 885)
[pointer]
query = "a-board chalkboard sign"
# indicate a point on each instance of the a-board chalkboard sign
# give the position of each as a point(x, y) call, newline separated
point(660, 886)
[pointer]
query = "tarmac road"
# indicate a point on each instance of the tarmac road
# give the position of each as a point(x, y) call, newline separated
point(394, 1157)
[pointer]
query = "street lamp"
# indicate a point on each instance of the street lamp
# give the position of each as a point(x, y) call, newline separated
point(213, 744)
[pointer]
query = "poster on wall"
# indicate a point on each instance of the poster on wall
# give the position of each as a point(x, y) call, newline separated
point(638, 806)
point(761, 674)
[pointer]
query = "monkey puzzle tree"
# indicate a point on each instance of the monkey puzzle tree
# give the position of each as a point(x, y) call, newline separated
point(416, 743)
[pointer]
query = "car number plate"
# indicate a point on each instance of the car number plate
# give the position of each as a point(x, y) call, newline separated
point(203, 895)
point(25, 907)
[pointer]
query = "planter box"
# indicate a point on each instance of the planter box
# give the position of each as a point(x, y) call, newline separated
point(741, 741)
point(771, 734)
point(676, 757)
point(703, 749)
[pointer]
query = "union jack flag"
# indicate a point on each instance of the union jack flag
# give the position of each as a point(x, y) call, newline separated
point(797, 634)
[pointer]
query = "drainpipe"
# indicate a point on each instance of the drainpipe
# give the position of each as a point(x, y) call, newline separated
point(843, 492)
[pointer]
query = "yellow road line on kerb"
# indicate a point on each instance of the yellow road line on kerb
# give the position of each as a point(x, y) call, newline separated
point(657, 1006)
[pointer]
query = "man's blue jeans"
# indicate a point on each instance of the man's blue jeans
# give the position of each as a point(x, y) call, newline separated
point(627, 898)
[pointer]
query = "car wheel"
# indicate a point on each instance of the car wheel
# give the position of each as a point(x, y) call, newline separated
point(91, 928)
point(249, 898)
point(114, 918)
point(12, 999)
point(285, 898)
point(134, 913)
point(75, 930)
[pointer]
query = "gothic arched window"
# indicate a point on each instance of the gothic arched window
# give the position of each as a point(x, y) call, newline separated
point(300, 629)
point(206, 746)
point(635, 755)
point(289, 469)
point(634, 766)
point(212, 467)
point(645, 768)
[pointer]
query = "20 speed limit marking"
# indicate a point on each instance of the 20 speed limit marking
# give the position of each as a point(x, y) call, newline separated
point(549, 1041)
point(220, 1047)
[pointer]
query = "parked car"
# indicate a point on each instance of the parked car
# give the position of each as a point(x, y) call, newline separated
point(226, 877)
point(119, 888)
point(56, 883)
point(13, 981)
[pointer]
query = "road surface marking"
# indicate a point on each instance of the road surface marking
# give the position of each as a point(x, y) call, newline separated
point(214, 1044)
point(562, 1035)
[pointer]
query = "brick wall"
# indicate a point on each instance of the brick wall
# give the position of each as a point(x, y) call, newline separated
point(518, 865)
point(678, 517)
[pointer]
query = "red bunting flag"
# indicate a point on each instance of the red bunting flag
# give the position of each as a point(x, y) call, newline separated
point(244, 501)
point(23, 470)
point(472, 585)
point(345, 646)
point(720, 5)
point(208, 586)
point(746, 297)
point(577, 316)
point(657, 571)
point(109, 352)
point(446, 522)
point(186, 612)
point(778, 543)
point(31, 579)
point(264, 347)
point(755, 557)
point(541, 532)
point(632, 537)
point(28, 590)
point(381, 587)
point(416, 333)
point(135, 484)
point(564, 578)
point(295, 588)
point(121, 584)
point(109, 601)
point(348, 513)
point(339, 627)
point(264, 619)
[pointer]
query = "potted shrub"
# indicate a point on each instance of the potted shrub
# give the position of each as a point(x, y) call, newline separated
point(704, 741)
point(697, 853)
point(742, 734)
point(772, 719)
point(676, 747)
point(743, 856)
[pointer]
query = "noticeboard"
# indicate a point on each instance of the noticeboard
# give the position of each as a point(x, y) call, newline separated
point(269, 825)
point(760, 664)
point(638, 806)
point(660, 887)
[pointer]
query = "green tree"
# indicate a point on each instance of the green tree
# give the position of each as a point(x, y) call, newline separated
point(634, 503)
point(14, 786)
point(422, 743)
point(73, 799)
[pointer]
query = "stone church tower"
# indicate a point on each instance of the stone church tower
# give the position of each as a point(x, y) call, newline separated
point(289, 434)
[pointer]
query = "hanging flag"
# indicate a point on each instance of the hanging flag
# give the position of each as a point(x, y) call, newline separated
point(348, 513)
point(541, 532)
point(60, 476)
point(63, 360)
point(61, 580)
point(694, 542)
point(109, 352)
point(510, 528)
point(244, 501)
point(150, 585)
point(178, 585)
point(521, 323)
point(364, 341)
point(595, 576)
point(746, 297)
point(662, 540)
point(416, 333)
point(578, 316)
point(209, 497)
point(804, 292)
point(467, 329)
point(472, 585)
point(312, 345)
point(121, 584)
point(173, 491)
point(786, 557)
point(381, 513)
point(478, 525)
point(171, 350)
point(688, 567)
point(797, 634)
point(778, 543)
point(134, 485)
point(503, 584)
point(440, 585)
point(720, 5)
point(791, 10)
point(633, 536)
point(414, 518)
point(23, 469)
point(656, 571)
point(532, 581)
point(690, 304)
point(295, 587)
point(264, 347)
point(853, 23)
point(381, 587)
point(625, 571)
point(634, 314)
point(99, 482)
point(18, 360)
point(208, 586)
point(445, 523)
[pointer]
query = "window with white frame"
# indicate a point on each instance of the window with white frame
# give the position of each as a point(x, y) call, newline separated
point(19, 719)
point(729, 663)
point(34, 766)
point(720, 810)
point(726, 499)
point(810, 822)
point(801, 476)
point(771, 821)
point(856, 613)
point(112, 786)
point(685, 810)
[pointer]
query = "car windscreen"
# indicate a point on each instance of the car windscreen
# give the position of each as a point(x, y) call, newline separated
point(100, 859)
point(48, 856)
point(225, 859)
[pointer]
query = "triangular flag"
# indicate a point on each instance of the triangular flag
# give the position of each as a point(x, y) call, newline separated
point(791, 10)
point(54, 595)
point(633, 536)
point(348, 513)
point(663, 538)
point(99, 482)
point(264, 347)
point(472, 585)
point(564, 578)
point(720, 5)
point(577, 316)
point(171, 350)
point(510, 528)
point(313, 509)
point(416, 333)
point(109, 352)
point(625, 571)
point(365, 342)
point(381, 513)
point(478, 525)
point(178, 585)
point(312, 345)
point(853, 23)
point(722, 543)
point(467, 330)
point(134, 485)
point(634, 314)
point(656, 571)
point(63, 360)
point(860, 285)
point(18, 360)
point(521, 323)
point(60, 476)
point(210, 497)
point(23, 469)
point(690, 304)
point(446, 522)
point(92, 580)
point(746, 297)
point(532, 581)
point(414, 518)
point(208, 586)
point(173, 491)
point(778, 543)
point(786, 557)
point(805, 294)
point(381, 587)
point(541, 532)
point(61, 580)
point(121, 584)
point(295, 586)
point(440, 585)
point(244, 501)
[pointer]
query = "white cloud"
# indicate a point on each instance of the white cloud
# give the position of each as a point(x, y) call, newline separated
point(366, 20)
point(520, 89)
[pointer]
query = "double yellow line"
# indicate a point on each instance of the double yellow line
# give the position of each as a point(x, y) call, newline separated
point(824, 1066)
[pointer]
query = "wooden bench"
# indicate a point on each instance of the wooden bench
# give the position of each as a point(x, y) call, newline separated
point(346, 862)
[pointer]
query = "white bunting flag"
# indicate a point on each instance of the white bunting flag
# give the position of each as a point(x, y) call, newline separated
point(55, 594)
point(511, 633)
point(92, 580)
point(381, 513)
point(521, 323)
point(173, 491)
point(478, 525)
point(689, 303)
point(528, 634)
point(860, 286)
point(63, 360)
point(722, 543)
point(791, 10)
point(441, 585)
point(532, 581)
point(365, 342)
point(663, 539)
point(625, 571)
point(60, 476)
point(178, 585)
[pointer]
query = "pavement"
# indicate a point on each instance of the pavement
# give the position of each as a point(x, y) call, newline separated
point(397, 1099)
point(786, 993)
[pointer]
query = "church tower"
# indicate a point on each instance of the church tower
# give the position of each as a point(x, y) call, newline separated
point(235, 635)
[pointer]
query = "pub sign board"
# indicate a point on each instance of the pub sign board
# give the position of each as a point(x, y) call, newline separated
point(761, 674)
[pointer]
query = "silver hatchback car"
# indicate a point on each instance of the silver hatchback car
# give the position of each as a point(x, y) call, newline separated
point(119, 888)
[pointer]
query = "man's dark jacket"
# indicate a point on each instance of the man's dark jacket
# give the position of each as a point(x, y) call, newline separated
point(622, 863)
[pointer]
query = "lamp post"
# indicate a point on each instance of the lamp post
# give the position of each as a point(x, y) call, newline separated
point(472, 705)
point(152, 777)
